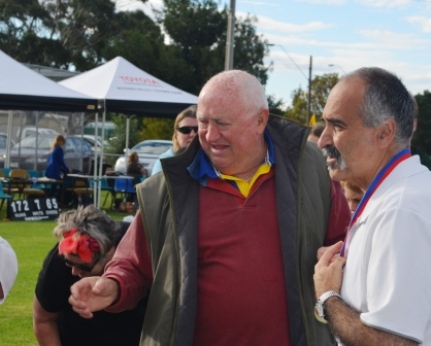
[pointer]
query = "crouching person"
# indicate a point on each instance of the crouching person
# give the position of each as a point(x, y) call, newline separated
point(88, 239)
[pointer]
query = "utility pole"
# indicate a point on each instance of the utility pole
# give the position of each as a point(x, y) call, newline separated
point(228, 63)
point(309, 91)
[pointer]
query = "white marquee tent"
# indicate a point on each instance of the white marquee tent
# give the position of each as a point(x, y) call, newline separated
point(124, 88)
point(23, 89)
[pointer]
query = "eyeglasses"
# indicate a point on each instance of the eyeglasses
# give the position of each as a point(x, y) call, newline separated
point(186, 130)
point(82, 266)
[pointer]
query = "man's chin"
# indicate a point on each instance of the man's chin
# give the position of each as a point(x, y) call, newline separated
point(334, 172)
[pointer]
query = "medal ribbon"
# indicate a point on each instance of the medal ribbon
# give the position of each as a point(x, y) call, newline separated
point(384, 172)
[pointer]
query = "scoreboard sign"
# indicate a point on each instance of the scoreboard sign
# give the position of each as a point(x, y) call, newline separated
point(33, 209)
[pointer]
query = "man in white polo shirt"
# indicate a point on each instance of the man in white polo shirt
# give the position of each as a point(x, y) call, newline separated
point(375, 288)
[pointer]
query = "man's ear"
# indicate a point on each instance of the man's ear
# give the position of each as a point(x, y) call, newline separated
point(262, 119)
point(386, 133)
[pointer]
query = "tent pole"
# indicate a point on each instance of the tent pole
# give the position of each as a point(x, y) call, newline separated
point(9, 138)
point(100, 173)
point(127, 136)
point(95, 170)
point(37, 140)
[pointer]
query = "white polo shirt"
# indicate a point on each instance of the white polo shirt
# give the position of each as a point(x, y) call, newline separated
point(8, 267)
point(388, 270)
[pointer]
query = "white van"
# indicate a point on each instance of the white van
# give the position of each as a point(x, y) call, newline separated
point(31, 131)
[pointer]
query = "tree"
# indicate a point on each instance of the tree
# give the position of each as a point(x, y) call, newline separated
point(157, 128)
point(422, 138)
point(82, 27)
point(118, 143)
point(82, 34)
point(321, 86)
point(137, 38)
point(66, 33)
point(20, 24)
point(275, 106)
point(198, 30)
point(298, 110)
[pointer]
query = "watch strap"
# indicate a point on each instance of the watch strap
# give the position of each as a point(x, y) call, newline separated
point(319, 311)
point(328, 294)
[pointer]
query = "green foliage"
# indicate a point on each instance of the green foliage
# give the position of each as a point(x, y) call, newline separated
point(117, 144)
point(156, 128)
point(250, 49)
point(298, 110)
point(422, 138)
point(83, 34)
point(321, 86)
point(276, 106)
point(200, 37)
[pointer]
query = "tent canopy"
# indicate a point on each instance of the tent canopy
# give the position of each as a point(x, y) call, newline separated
point(126, 89)
point(24, 89)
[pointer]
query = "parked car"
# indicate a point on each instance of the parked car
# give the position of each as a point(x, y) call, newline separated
point(96, 144)
point(29, 154)
point(148, 152)
point(95, 141)
point(30, 131)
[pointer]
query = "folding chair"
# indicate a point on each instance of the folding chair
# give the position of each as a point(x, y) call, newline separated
point(6, 172)
point(35, 174)
point(20, 179)
point(81, 191)
point(110, 189)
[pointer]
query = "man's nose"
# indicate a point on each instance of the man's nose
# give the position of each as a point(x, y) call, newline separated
point(212, 133)
point(325, 139)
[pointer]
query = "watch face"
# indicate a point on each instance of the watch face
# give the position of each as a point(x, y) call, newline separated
point(318, 313)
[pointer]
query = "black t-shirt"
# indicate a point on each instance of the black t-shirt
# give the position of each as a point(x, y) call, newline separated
point(53, 291)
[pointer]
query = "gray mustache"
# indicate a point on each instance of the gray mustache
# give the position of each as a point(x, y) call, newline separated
point(332, 152)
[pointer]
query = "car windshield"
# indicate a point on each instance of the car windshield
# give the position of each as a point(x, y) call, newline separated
point(152, 148)
point(30, 142)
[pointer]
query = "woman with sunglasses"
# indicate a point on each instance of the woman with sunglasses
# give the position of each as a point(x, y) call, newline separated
point(185, 129)
point(88, 238)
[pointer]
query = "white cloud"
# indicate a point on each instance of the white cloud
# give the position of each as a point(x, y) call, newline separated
point(385, 3)
point(391, 40)
point(133, 5)
point(260, 3)
point(424, 22)
point(267, 23)
point(323, 2)
point(373, 40)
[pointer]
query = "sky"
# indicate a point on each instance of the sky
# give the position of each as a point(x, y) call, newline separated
point(339, 35)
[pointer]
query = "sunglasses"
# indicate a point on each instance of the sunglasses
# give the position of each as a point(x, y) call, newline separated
point(82, 266)
point(186, 130)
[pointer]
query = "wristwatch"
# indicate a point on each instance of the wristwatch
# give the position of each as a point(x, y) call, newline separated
point(319, 308)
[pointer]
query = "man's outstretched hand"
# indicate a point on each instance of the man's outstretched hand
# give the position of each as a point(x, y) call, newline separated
point(93, 294)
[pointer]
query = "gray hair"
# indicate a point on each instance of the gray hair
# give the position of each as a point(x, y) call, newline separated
point(386, 97)
point(243, 84)
point(93, 222)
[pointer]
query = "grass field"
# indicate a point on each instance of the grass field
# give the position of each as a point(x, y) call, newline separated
point(31, 241)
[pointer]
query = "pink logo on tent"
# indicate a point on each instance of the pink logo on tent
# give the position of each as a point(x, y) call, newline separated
point(140, 80)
